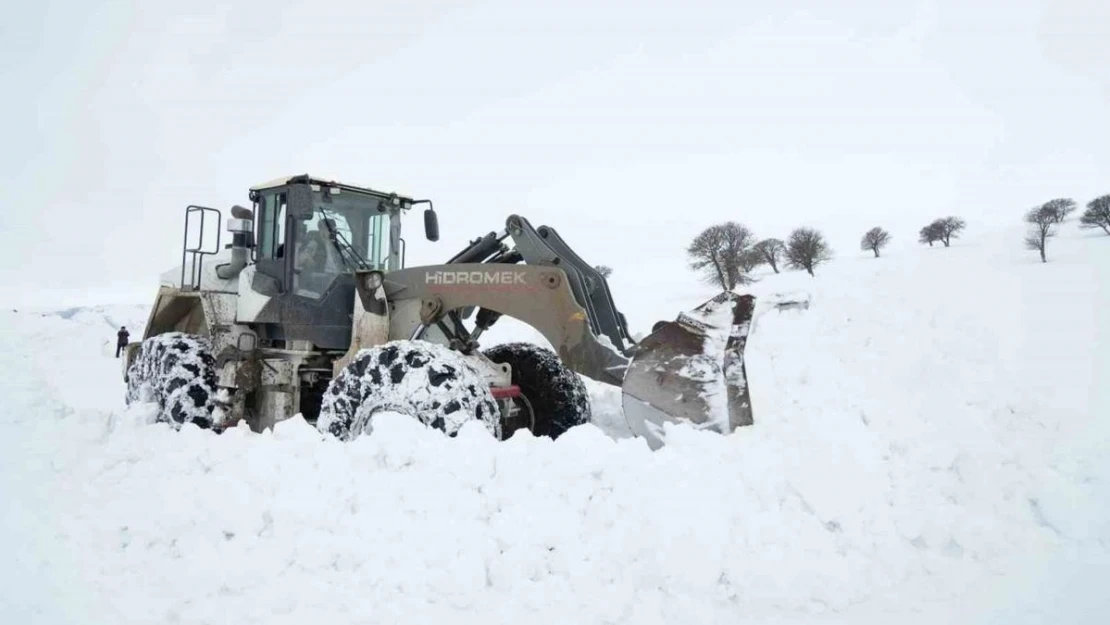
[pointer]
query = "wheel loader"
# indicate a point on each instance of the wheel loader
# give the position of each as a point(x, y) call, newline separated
point(310, 310)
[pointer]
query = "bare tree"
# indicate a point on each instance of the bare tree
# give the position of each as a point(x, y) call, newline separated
point(929, 234)
point(771, 250)
point(719, 252)
point(1043, 220)
point(1097, 214)
point(739, 241)
point(750, 260)
point(604, 270)
point(874, 239)
point(1060, 208)
point(806, 249)
point(707, 253)
point(949, 227)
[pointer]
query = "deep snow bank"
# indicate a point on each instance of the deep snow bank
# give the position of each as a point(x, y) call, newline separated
point(930, 445)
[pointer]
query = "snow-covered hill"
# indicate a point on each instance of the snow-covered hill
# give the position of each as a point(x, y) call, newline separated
point(932, 444)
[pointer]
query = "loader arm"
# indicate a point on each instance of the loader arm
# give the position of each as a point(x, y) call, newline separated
point(537, 295)
point(543, 247)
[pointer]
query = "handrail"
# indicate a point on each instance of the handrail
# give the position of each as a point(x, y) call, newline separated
point(198, 253)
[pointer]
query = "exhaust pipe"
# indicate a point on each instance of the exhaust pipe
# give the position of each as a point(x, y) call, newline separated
point(241, 227)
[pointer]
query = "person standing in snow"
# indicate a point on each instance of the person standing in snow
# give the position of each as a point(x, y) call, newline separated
point(121, 339)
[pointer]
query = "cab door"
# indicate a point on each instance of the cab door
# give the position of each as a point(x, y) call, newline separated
point(270, 252)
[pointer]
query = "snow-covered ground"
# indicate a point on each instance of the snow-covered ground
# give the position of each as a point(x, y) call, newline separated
point(932, 444)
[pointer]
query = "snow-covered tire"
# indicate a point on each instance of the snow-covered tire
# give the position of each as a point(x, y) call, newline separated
point(176, 371)
point(429, 382)
point(558, 398)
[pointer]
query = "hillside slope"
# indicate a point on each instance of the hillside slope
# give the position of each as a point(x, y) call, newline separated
point(931, 445)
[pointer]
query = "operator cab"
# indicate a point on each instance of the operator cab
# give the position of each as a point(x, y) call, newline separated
point(310, 236)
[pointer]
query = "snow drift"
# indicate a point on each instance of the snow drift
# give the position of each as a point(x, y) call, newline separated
point(931, 445)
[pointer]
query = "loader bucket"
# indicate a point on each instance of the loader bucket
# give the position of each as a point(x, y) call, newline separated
point(691, 370)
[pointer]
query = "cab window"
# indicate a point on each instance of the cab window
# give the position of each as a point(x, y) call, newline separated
point(317, 260)
point(378, 242)
point(271, 226)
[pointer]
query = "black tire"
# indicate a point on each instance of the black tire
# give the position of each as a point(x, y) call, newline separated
point(176, 371)
point(558, 398)
point(429, 382)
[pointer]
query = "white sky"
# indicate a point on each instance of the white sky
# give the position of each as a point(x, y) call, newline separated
point(628, 126)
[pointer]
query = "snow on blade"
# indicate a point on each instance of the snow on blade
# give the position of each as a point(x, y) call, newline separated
point(707, 367)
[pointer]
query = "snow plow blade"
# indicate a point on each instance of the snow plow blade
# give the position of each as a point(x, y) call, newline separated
point(691, 370)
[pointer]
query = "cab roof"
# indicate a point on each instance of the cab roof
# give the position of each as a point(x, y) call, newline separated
point(323, 182)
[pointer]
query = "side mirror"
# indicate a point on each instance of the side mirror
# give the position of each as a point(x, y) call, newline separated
point(431, 225)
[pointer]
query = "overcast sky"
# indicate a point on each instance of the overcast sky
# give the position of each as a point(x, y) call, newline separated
point(629, 126)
